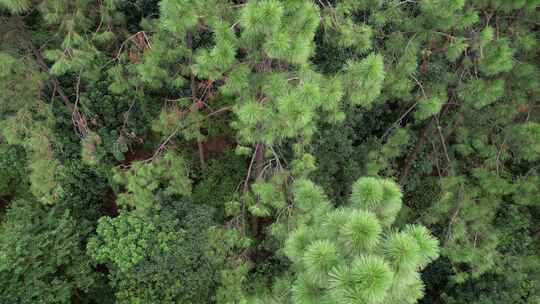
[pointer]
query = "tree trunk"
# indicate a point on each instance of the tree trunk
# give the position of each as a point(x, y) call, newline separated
point(193, 85)
point(411, 158)
point(201, 150)
point(259, 165)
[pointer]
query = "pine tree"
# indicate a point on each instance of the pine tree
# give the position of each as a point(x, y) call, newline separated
point(28, 122)
point(186, 140)
point(16, 6)
point(351, 254)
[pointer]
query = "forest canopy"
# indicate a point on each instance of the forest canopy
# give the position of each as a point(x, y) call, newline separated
point(270, 151)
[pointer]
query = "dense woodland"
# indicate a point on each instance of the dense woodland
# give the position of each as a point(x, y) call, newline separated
point(270, 151)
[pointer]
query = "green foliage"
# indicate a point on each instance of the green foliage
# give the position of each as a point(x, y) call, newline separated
point(429, 107)
point(480, 251)
point(20, 82)
point(343, 256)
point(442, 14)
point(497, 58)
point(126, 240)
point(383, 197)
point(224, 244)
point(364, 80)
point(28, 122)
point(42, 257)
point(219, 179)
point(479, 93)
point(456, 48)
point(515, 279)
point(16, 6)
point(117, 117)
point(178, 16)
point(160, 258)
point(13, 171)
point(383, 157)
point(337, 164)
point(144, 182)
point(527, 141)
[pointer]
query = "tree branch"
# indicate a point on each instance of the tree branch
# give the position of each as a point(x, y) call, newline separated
point(79, 121)
point(411, 158)
point(179, 128)
point(55, 82)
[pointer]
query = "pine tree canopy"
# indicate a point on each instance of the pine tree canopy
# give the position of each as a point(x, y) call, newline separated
point(270, 151)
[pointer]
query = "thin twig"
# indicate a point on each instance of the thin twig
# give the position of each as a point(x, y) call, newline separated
point(398, 121)
point(78, 120)
point(420, 85)
point(454, 216)
point(444, 145)
point(435, 159)
point(499, 155)
point(179, 128)
point(246, 181)
point(276, 156)
point(129, 39)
